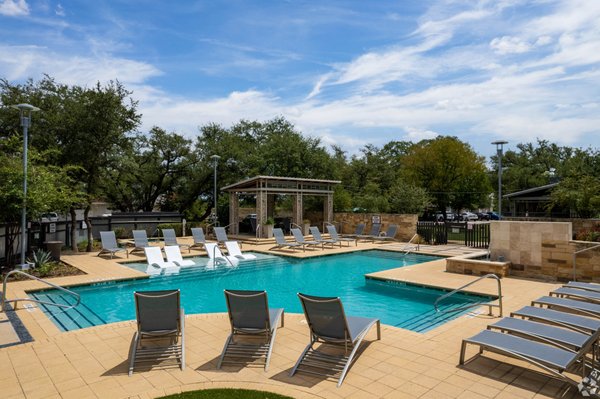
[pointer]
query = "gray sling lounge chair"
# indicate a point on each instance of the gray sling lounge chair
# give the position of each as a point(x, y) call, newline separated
point(109, 244)
point(389, 235)
point(576, 293)
point(140, 240)
point(305, 243)
point(583, 286)
point(585, 308)
point(335, 236)
point(250, 318)
point(199, 238)
point(221, 236)
point(375, 229)
point(314, 231)
point(282, 243)
point(329, 324)
point(360, 228)
point(170, 238)
point(160, 320)
point(550, 358)
point(574, 322)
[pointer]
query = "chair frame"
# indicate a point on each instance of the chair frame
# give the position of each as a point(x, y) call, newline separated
point(137, 248)
point(114, 250)
point(170, 238)
point(140, 353)
point(284, 243)
point(238, 350)
point(200, 243)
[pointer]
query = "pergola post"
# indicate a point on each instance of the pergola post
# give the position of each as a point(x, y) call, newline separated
point(297, 209)
point(234, 213)
point(328, 208)
point(261, 210)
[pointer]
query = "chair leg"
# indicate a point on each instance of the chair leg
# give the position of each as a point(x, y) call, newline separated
point(132, 352)
point(224, 350)
point(271, 342)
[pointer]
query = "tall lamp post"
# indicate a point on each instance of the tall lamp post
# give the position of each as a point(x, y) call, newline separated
point(26, 110)
point(499, 151)
point(215, 159)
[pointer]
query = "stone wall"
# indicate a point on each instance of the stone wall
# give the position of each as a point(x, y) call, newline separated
point(477, 267)
point(557, 260)
point(407, 224)
point(578, 224)
point(520, 243)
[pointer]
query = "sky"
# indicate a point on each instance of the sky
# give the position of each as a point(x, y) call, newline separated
point(349, 72)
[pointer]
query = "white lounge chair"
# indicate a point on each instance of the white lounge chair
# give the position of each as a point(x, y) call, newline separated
point(157, 263)
point(215, 256)
point(174, 255)
point(233, 249)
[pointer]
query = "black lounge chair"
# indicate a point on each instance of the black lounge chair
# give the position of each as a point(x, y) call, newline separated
point(563, 319)
point(335, 236)
point(199, 238)
point(160, 320)
point(548, 357)
point(314, 231)
point(109, 244)
point(250, 317)
point(170, 238)
point(140, 241)
point(302, 241)
point(389, 235)
point(282, 243)
point(329, 325)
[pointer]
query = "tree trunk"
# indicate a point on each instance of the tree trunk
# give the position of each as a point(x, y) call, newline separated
point(73, 229)
point(90, 236)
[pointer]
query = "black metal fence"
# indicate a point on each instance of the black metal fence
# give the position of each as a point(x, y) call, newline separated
point(471, 234)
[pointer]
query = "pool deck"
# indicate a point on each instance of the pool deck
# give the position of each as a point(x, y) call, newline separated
point(92, 363)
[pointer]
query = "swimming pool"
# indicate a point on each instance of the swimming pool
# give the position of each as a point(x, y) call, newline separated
point(342, 275)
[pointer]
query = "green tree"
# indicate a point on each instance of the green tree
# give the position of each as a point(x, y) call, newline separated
point(581, 194)
point(451, 172)
point(408, 198)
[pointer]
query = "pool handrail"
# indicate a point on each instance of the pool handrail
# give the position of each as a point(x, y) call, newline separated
point(472, 305)
point(406, 249)
point(3, 300)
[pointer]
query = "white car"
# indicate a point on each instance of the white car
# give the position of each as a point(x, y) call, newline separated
point(468, 217)
point(49, 217)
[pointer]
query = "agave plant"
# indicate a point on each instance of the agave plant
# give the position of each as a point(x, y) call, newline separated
point(40, 258)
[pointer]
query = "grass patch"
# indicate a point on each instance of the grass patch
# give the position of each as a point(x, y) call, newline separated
point(226, 393)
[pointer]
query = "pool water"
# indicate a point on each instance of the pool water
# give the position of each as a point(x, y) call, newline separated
point(342, 275)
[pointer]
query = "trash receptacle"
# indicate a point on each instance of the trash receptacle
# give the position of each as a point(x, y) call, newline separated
point(54, 248)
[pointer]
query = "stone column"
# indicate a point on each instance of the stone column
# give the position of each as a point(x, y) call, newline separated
point(234, 214)
point(261, 211)
point(328, 208)
point(297, 209)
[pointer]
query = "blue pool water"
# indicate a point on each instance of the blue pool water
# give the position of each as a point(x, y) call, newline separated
point(408, 307)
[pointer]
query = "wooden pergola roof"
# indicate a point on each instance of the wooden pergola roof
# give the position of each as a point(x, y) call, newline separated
point(282, 185)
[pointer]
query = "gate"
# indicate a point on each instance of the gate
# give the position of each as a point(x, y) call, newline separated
point(471, 234)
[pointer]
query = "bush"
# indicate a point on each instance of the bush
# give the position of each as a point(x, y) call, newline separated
point(176, 226)
point(589, 235)
point(40, 258)
point(82, 245)
point(120, 232)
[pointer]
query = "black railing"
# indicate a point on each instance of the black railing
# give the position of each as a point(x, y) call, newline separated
point(476, 235)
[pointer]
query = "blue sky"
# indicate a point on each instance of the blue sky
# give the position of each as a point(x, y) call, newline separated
point(349, 72)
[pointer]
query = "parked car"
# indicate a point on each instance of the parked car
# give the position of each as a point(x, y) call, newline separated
point(49, 217)
point(494, 216)
point(468, 217)
point(483, 216)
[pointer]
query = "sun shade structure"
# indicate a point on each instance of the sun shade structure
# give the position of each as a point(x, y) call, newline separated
point(266, 187)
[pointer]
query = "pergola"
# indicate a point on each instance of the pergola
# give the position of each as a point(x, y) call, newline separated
point(266, 187)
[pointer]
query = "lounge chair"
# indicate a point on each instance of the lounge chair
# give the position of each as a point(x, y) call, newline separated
point(156, 263)
point(360, 228)
point(216, 257)
point(576, 293)
point(174, 256)
point(305, 243)
point(335, 236)
point(548, 357)
point(221, 235)
point(329, 324)
point(314, 231)
point(233, 249)
point(170, 238)
point(563, 319)
point(109, 244)
point(583, 286)
point(375, 229)
point(582, 307)
point(281, 242)
point(159, 318)
point(199, 238)
point(140, 240)
point(251, 318)
point(389, 235)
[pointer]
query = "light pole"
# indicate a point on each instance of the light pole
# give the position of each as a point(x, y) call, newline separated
point(499, 150)
point(215, 159)
point(26, 111)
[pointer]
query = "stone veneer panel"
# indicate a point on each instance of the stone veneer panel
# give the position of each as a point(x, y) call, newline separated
point(477, 267)
point(407, 224)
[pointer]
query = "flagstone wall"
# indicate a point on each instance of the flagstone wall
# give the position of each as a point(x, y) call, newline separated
point(407, 224)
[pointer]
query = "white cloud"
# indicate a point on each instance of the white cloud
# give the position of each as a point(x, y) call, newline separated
point(59, 10)
point(13, 8)
point(509, 45)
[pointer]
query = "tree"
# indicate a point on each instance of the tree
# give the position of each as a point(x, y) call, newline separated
point(407, 198)
point(451, 172)
point(581, 194)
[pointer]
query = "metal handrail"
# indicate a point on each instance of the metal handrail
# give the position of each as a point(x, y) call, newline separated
point(3, 300)
point(490, 305)
point(227, 260)
point(408, 243)
point(258, 233)
point(575, 259)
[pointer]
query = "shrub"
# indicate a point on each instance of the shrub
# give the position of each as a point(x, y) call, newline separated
point(40, 258)
point(120, 232)
point(176, 226)
point(82, 245)
point(589, 235)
